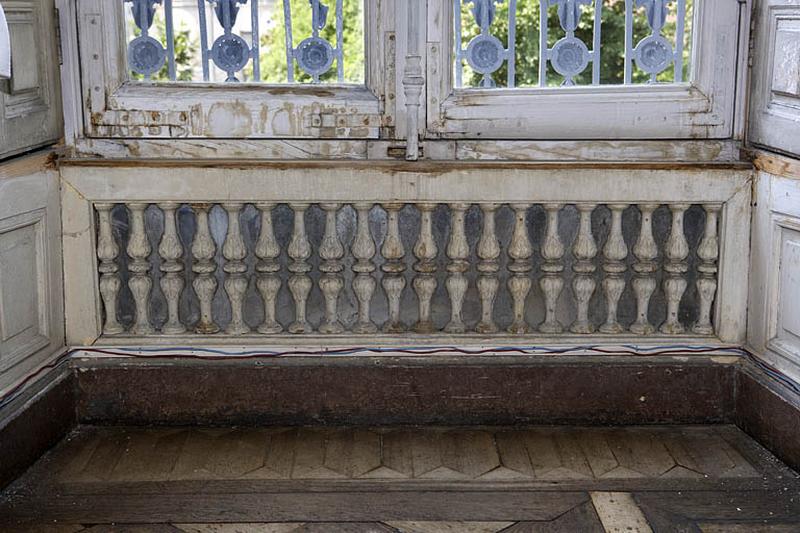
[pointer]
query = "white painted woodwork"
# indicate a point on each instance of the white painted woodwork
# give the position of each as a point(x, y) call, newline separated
point(139, 282)
point(488, 266)
point(675, 268)
point(30, 114)
point(393, 281)
point(424, 283)
point(519, 267)
point(31, 293)
point(614, 253)
point(775, 88)
point(457, 252)
point(172, 283)
point(583, 284)
point(205, 284)
point(774, 316)
point(708, 253)
point(268, 282)
point(552, 282)
point(444, 186)
point(299, 283)
point(234, 251)
point(644, 283)
point(110, 284)
point(363, 250)
point(332, 282)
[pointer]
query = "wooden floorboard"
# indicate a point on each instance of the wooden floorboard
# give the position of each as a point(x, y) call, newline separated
point(420, 480)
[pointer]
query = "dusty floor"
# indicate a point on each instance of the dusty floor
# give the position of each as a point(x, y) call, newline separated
point(666, 478)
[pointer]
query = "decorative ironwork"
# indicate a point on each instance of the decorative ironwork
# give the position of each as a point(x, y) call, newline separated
point(654, 53)
point(571, 55)
point(485, 53)
point(146, 55)
point(315, 55)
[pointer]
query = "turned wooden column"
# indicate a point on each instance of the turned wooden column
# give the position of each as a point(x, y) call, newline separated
point(363, 250)
point(488, 266)
point(268, 282)
point(172, 283)
point(331, 282)
point(110, 284)
point(204, 284)
point(457, 252)
point(140, 283)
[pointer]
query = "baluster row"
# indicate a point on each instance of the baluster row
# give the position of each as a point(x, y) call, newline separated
point(590, 265)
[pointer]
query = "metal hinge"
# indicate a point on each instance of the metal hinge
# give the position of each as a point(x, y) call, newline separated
point(751, 37)
point(59, 52)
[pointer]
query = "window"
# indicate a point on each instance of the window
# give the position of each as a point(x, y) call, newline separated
point(545, 43)
point(271, 41)
point(149, 68)
point(582, 69)
point(334, 69)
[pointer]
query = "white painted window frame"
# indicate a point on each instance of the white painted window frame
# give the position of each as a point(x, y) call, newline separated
point(703, 108)
point(115, 107)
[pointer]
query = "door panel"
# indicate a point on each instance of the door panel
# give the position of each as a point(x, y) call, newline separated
point(31, 294)
point(774, 309)
point(30, 104)
point(775, 99)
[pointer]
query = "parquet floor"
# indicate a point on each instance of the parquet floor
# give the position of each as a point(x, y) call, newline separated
point(426, 480)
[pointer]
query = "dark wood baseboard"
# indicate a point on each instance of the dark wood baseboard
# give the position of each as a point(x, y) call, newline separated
point(769, 411)
point(490, 390)
point(35, 421)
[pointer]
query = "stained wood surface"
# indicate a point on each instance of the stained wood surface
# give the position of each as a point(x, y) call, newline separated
point(426, 480)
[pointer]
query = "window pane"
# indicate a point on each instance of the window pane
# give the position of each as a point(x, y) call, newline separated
point(246, 40)
point(547, 43)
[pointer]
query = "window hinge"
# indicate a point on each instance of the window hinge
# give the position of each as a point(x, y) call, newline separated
point(751, 38)
point(59, 50)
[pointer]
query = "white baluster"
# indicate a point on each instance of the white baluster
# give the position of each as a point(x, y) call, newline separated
point(172, 283)
point(267, 281)
point(551, 281)
point(425, 251)
point(234, 251)
point(519, 283)
point(299, 283)
point(331, 282)
point(363, 250)
point(488, 266)
point(457, 252)
point(205, 284)
point(708, 252)
point(583, 284)
point(614, 253)
point(110, 284)
point(677, 250)
point(644, 284)
point(140, 282)
point(393, 281)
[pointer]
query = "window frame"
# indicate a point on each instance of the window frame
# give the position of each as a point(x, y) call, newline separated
point(116, 107)
point(703, 108)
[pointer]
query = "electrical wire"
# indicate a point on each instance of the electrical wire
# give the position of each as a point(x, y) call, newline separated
point(213, 354)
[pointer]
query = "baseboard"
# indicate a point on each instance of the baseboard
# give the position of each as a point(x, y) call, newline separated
point(35, 420)
point(769, 411)
point(452, 390)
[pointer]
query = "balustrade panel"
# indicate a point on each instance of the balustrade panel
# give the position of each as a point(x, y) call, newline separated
point(272, 269)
